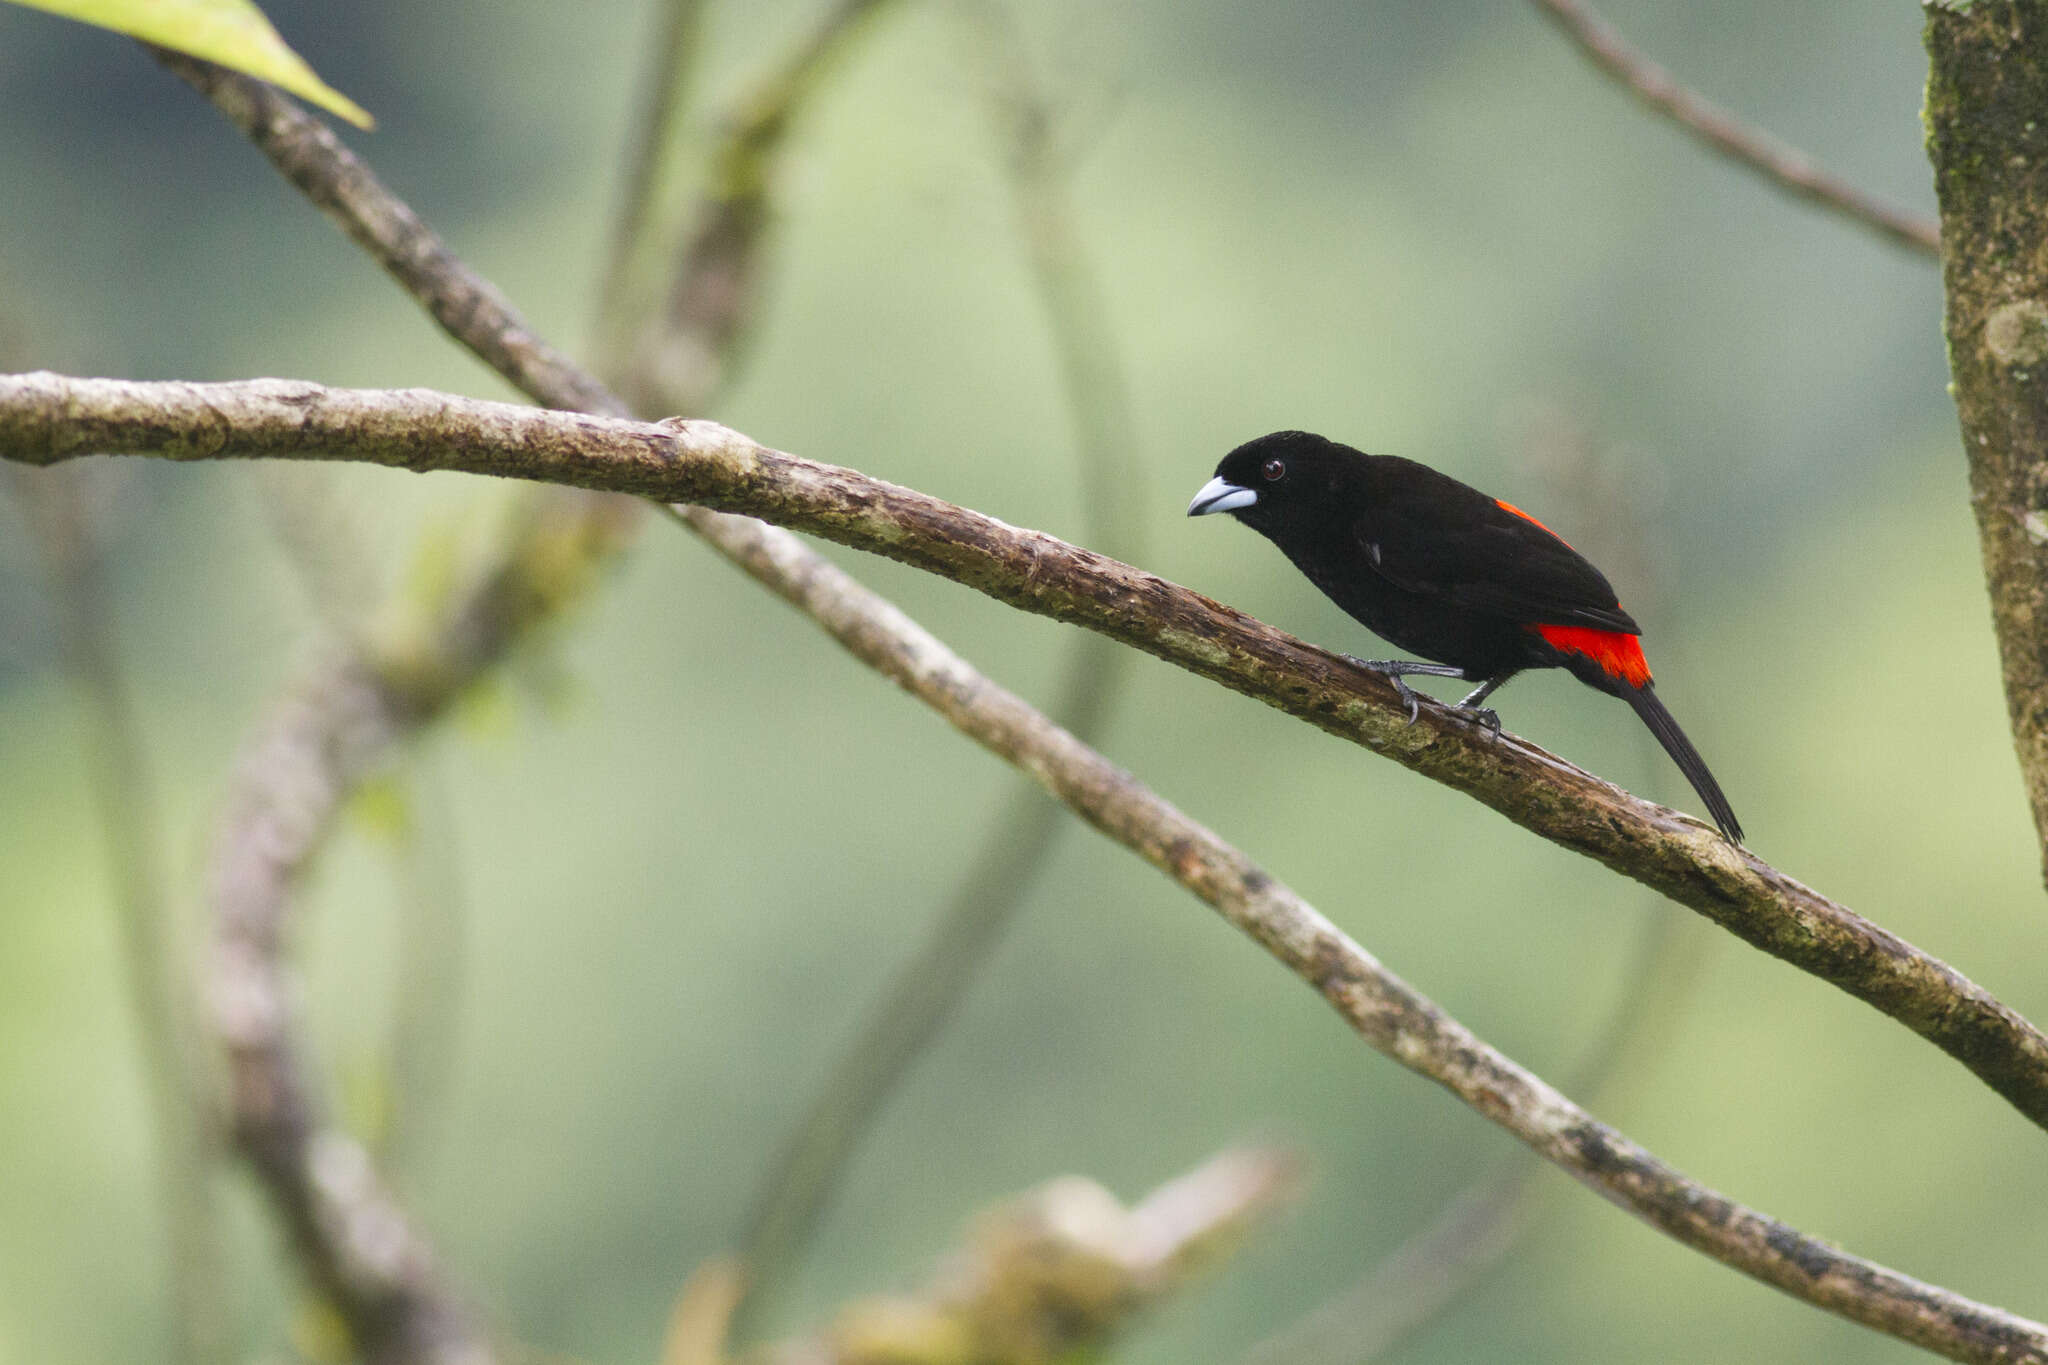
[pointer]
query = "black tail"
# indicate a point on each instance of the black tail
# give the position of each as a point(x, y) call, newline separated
point(1644, 700)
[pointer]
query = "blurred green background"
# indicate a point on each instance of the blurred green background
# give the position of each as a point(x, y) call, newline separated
point(693, 839)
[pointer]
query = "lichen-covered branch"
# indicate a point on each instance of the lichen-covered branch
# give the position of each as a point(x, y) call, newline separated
point(1987, 133)
point(45, 418)
point(1787, 167)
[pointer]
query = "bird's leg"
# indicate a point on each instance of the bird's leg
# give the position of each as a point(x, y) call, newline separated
point(1490, 719)
point(1395, 668)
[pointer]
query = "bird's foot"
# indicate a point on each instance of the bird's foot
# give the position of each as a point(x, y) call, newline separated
point(1391, 669)
point(1481, 715)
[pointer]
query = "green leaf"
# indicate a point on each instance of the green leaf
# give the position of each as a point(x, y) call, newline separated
point(233, 33)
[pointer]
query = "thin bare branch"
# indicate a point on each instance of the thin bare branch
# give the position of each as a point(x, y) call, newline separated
point(798, 1184)
point(1787, 167)
point(45, 418)
point(925, 991)
point(1412, 1285)
point(1114, 491)
point(159, 976)
point(312, 524)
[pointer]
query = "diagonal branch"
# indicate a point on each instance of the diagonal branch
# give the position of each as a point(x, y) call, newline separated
point(1424, 1275)
point(45, 418)
point(1789, 168)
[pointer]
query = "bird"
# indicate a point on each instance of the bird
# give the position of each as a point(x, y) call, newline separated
point(1475, 585)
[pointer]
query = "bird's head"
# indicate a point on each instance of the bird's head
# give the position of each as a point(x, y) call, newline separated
point(1262, 481)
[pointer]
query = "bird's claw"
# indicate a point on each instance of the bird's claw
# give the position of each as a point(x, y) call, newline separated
point(1408, 695)
point(1481, 715)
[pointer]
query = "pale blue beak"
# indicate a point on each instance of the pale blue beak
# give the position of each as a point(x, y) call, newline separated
point(1219, 495)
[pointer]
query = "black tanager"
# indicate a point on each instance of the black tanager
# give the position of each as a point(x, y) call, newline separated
point(1442, 570)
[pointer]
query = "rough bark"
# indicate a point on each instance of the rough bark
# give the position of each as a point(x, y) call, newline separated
point(1987, 134)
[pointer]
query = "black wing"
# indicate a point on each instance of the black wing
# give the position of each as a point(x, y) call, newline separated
point(1430, 534)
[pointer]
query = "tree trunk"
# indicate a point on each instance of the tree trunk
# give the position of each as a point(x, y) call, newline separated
point(1987, 134)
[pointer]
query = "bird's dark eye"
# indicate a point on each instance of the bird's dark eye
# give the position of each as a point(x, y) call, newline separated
point(1273, 469)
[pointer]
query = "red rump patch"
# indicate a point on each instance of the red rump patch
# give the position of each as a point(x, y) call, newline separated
point(1619, 655)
